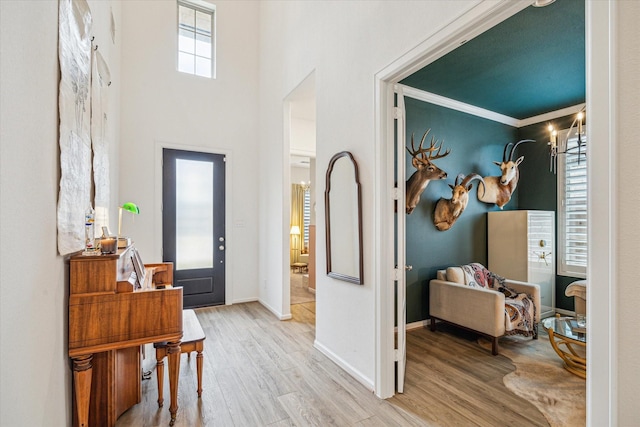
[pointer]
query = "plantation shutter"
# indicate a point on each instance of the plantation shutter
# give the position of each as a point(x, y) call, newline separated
point(306, 214)
point(573, 211)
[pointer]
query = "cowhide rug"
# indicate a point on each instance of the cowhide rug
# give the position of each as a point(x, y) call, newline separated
point(541, 379)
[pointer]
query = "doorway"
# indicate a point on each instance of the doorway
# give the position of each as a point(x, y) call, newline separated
point(193, 224)
point(300, 134)
point(600, 19)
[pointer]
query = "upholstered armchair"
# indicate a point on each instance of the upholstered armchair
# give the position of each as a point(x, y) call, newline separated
point(479, 309)
point(578, 290)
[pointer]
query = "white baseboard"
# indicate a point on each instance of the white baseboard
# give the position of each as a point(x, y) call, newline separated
point(344, 365)
point(415, 325)
point(277, 313)
point(244, 300)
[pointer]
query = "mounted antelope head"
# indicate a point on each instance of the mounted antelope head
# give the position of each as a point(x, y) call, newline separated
point(498, 189)
point(447, 211)
point(426, 170)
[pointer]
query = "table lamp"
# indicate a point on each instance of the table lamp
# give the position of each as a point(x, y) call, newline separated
point(123, 242)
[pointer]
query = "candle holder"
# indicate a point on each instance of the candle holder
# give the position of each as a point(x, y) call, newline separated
point(108, 245)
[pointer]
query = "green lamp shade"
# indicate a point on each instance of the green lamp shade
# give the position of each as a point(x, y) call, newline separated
point(131, 207)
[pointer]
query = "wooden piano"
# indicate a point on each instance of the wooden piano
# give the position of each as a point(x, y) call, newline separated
point(110, 317)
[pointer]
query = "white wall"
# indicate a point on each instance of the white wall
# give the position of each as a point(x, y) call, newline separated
point(303, 135)
point(346, 43)
point(161, 105)
point(299, 174)
point(628, 234)
point(36, 379)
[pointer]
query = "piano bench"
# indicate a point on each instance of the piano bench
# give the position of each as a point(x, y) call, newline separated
point(192, 340)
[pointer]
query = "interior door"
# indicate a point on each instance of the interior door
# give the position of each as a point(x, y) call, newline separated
point(193, 224)
point(401, 294)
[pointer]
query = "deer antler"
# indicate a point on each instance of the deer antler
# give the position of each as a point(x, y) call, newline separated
point(420, 151)
point(433, 148)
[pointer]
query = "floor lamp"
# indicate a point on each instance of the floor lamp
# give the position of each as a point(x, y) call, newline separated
point(295, 232)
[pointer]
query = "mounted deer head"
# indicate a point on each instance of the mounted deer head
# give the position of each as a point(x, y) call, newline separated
point(498, 189)
point(426, 170)
point(447, 211)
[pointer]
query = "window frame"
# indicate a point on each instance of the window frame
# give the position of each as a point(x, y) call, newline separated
point(565, 268)
point(202, 7)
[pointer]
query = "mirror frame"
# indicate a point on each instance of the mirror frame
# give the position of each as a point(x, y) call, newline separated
point(334, 274)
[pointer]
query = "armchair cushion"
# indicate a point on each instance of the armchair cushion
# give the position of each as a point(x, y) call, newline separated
point(455, 275)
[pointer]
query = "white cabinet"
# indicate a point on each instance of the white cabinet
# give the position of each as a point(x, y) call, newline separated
point(522, 247)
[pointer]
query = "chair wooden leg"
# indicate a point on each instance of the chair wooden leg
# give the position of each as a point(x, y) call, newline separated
point(494, 346)
point(432, 324)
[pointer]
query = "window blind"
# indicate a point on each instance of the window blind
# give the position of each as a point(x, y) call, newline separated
point(307, 216)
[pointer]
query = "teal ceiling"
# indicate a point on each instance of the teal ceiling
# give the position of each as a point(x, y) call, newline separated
point(530, 64)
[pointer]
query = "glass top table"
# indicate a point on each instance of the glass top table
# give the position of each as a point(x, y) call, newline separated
point(569, 341)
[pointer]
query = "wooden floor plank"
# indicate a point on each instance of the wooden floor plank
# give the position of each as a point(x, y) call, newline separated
point(260, 371)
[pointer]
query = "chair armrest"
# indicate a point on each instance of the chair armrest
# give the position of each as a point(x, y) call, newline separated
point(530, 289)
point(475, 308)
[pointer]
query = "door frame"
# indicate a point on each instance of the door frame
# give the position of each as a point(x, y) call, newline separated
point(229, 259)
point(600, 62)
point(287, 152)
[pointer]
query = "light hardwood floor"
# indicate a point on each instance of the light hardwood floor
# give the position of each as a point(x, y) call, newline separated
point(259, 371)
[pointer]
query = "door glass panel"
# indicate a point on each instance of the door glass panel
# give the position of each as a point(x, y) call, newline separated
point(194, 214)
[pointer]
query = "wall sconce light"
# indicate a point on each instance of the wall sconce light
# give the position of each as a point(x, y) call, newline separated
point(123, 242)
point(557, 146)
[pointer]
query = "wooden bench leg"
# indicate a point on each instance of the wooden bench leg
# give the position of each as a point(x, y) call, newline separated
point(199, 360)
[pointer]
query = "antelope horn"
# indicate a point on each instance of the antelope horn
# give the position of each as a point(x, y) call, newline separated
point(504, 153)
point(458, 179)
point(513, 149)
point(470, 178)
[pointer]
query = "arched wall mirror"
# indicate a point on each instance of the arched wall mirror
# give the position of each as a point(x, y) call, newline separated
point(343, 216)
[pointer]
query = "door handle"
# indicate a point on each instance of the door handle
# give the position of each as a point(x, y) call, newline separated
point(408, 267)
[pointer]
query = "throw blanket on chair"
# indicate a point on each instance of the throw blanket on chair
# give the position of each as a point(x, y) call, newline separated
point(519, 310)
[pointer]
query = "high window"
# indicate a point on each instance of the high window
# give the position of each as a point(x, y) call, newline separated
point(196, 41)
point(572, 210)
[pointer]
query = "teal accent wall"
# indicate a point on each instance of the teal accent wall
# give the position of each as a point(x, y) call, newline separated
point(538, 186)
point(475, 143)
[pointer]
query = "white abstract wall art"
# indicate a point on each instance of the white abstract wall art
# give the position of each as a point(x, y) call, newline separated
point(100, 81)
point(74, 50)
